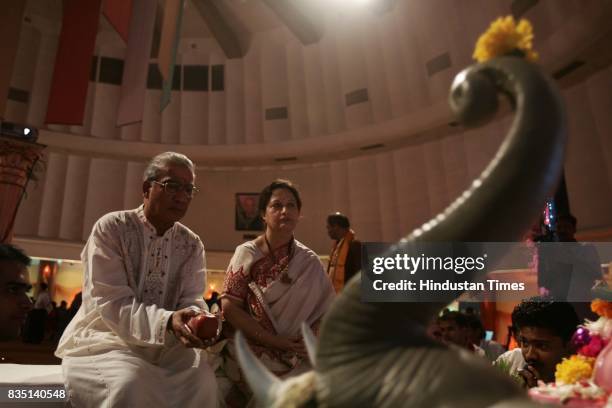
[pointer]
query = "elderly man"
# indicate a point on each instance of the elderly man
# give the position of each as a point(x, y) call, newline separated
point(14, 285)
point(144, 275)
point(345, 257)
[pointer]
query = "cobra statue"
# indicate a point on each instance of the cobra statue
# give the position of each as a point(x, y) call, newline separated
point(378, 354)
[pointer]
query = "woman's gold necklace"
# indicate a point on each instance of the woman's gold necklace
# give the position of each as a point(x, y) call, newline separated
point(284, 272)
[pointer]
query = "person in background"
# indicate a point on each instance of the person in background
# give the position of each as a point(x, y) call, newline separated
point(476, 335)
point(51, 323)
point(345, 257)
point(37, 319)
point(567, 270)
point(62, 320)
point(14, 286)
point(76, 304)
point(43, 300)
point(454, 329)
point(213, 302)
point(543, 329)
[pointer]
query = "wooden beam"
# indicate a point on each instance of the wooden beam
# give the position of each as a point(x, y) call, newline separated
point(297, 20)
point(157, 30)
point(221, 28)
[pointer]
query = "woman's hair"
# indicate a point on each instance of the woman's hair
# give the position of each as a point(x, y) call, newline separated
point(266, 193)
point(162, 160)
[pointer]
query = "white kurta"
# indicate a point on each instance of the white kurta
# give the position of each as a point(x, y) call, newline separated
point(117, 351)
point(514, 360)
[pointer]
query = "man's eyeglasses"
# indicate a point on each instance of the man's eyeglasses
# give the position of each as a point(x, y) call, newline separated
point(174, 187)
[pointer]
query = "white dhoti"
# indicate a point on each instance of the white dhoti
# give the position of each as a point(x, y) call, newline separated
point(119, 378)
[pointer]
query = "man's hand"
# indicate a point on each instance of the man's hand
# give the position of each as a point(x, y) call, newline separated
point(530, 375)
point(202, 328)
point(178, 326)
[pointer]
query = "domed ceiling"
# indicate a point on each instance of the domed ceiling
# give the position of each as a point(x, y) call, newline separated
point(278, 81)
point(348, 99)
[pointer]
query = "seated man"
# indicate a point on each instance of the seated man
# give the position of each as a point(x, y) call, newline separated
point(454, 329)
point(543, 329)
point(144, 276)
point(476, 335)
point(14, 285)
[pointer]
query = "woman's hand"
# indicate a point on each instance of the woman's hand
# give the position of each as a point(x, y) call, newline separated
point(291, 345)
point(241, 320)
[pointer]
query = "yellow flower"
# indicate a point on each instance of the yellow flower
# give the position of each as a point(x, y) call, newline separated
point(602, 308)
point(503, 37)
point(574, 369)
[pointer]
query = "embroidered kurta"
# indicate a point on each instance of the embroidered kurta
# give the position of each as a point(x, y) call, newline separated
point(133, 281)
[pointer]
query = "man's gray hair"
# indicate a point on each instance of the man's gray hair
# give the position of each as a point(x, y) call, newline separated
point(157, 165)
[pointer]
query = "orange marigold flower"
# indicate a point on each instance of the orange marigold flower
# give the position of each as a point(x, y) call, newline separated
point(602, 308)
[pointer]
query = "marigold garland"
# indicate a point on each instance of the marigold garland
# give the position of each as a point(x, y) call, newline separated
point(602, 308)
point(504, 37)
point(574, 369)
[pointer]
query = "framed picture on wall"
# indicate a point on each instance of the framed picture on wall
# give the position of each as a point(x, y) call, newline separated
point(247, 215)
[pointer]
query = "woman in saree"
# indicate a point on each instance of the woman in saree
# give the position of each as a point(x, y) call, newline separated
point(273, 284)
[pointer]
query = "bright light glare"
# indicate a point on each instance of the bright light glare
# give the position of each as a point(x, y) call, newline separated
point(353, 2)
point(26, 131)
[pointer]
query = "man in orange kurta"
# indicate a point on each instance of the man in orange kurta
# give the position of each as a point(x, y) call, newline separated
point(345, 258)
